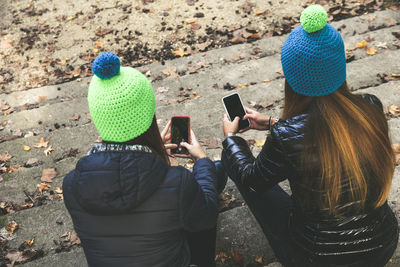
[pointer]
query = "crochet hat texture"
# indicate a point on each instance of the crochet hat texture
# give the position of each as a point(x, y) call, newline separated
point(313, 56)
point(121, 100)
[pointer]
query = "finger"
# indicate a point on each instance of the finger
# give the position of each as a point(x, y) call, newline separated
point(236, 120)
point(182, 156)
point(193, 138)
point(165, 130)
point(170, 146)
point(185, 145)
point(248, 116)
point(249, 110)
point(226, 117)
point(168, 137)
point(244, 130)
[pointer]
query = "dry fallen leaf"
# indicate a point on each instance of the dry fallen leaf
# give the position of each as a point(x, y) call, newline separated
point(16, 257)
point(99, 44)
point(6, 44)
point(260, 143)
point(41, 98)
point(59, 193)
point(242, 85)
point(12, 227)
point(32, 162)
point(162, 89)
point(42, 143)
point(237, 256)
point(30, 242)
point(221, 256)
point(170, 72)
point(27, 148)
point(5, 157)
point(258, 12)
point(251, 142)
point(259, 259)
point(396, 149)
point(48, 150)
point(48, 175)
point(371, 50)
point(71, 238)
point(76, 117)
point(43, 187)
point(29, 134)
point(179, 53)
point(394, 110)
point(362, 44)
point(191, 21)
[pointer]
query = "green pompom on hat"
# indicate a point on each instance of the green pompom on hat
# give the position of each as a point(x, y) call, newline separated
point(121, 100)
point(313, 18)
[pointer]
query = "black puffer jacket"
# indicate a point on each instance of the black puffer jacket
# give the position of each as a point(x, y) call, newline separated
point(131, 209)
point(355, 239)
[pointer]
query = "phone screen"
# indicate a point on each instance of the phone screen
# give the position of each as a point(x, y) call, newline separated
point(234, 107)
point(180, 128)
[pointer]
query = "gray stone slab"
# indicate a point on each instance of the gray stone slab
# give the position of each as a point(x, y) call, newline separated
point(41, 224)
point(238, 230)
point(74, 258)
point(11, 189)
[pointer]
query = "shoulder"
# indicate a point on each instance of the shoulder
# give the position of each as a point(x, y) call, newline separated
point(372, 99)
point(289, 129)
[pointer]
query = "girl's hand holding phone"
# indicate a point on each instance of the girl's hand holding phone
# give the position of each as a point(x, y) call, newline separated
point(195, 150)
point(230, 126)
point(258, 121)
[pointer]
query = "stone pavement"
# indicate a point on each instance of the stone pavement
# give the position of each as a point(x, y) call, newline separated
point(191, 86)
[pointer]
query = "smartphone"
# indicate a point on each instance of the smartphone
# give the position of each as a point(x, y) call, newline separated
point(234, 108)
point(180, 132)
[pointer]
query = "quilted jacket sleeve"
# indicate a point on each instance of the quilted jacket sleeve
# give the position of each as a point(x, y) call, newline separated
point(199, 197)
point(265, 171)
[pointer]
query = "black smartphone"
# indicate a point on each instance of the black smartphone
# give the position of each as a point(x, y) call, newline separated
point(234, 108)
point(180, 132)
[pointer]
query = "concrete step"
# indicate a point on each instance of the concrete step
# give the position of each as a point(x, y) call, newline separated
point(353, 30)
point(60, 114)
point(75, 258)
point(41, 224)
point(204, 124)
point(11, 189)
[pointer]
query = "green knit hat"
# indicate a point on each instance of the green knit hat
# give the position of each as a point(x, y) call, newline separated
point(121, 100)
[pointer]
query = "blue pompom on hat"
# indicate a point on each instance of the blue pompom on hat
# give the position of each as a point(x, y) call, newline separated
point(106, 65)
point(313, 56)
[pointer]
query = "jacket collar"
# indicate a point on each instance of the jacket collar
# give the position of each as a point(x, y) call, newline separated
point(117, 147)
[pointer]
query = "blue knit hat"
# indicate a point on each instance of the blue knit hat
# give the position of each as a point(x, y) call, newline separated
point(313, 56)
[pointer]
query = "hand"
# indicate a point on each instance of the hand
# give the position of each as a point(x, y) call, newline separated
point(257, 120)
point(194, 149)
point(230, 126)
point(165, 136)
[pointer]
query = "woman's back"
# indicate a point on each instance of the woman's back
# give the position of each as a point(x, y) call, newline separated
point(354, 231)
point(129, 207)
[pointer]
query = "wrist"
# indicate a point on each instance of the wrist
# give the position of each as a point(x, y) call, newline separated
point(229, 134)
point(199, 157)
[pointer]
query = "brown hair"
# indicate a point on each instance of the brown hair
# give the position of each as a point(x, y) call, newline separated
point(152, 139)
point(350, 138)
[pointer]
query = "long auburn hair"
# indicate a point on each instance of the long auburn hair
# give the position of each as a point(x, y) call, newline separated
point(349, 136)
point(153, 140)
